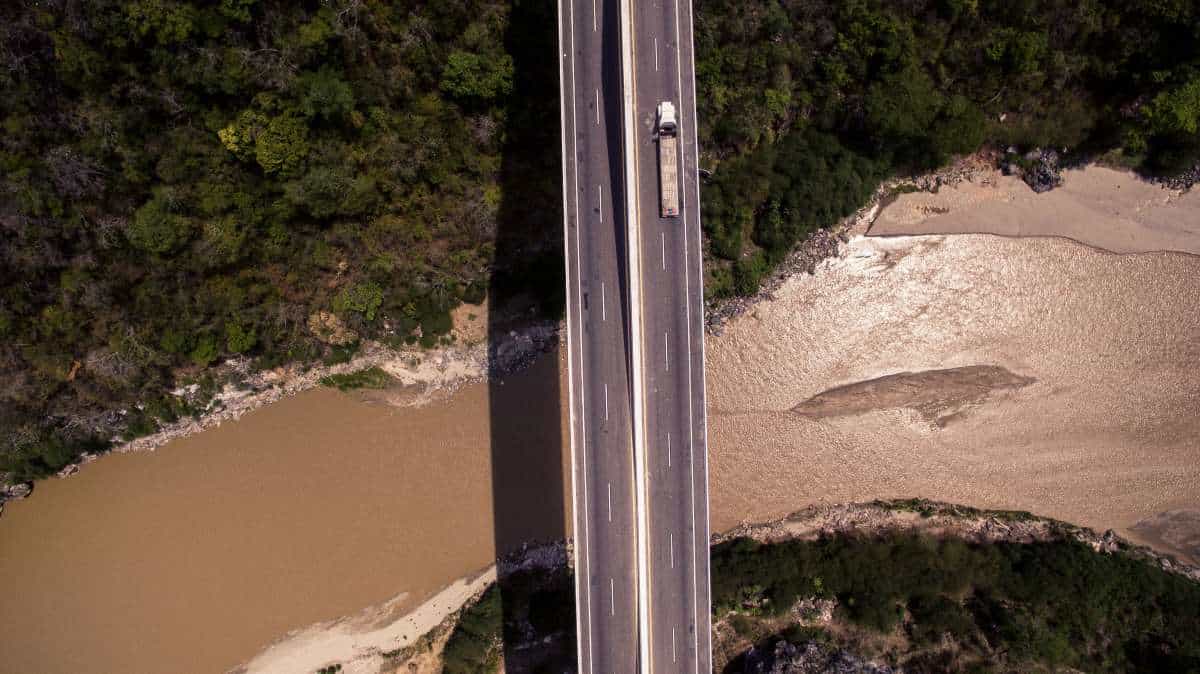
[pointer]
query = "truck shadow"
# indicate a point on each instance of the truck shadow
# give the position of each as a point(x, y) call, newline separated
point(527, 286)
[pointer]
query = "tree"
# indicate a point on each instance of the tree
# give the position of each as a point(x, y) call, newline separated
point(363, 298)
point(239, 339)
point(326, 95)
point(157, 227)
point(1176, 111)
point(278, 143)
point(472, 76)
point(902, 105)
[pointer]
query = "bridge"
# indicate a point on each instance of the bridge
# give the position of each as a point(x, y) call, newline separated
point(635, 340)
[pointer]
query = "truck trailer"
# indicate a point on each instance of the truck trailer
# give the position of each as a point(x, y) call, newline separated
point(668, 160)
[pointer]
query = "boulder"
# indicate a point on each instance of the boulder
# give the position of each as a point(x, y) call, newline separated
point(17, 491)
point(1038, 168)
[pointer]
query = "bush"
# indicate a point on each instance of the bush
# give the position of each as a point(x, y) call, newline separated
point(474, 645)
point(372, 377)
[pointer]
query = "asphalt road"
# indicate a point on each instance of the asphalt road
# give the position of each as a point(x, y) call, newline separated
point(673, 348)
point(598, 337)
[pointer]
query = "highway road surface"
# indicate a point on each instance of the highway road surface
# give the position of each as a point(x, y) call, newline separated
point(672, 331)
point(598, 337)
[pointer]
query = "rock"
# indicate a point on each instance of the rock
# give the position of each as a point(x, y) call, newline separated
point(1109, 542)
point(1184, 180)
point(1038, 168)
point(809, 658)
point(14, 492)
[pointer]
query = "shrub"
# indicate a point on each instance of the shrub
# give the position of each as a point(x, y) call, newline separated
point(372, 377)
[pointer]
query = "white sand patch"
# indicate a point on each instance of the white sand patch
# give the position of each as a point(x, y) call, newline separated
point(358, 642)
point(1100, 207)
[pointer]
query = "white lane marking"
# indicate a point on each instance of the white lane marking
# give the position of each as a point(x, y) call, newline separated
point(688, 317)
point(597, 107)
point(603, 303)
point(600, 202)
point(674, 655)
point(606, 402)
point(612, 591)
point(655, 54)
point(583, 586)
point(705, 623)
point(593, 16)
point(671, 547)
point(609, 501)
point(666, 353)
point(668, 450)
point(664, 248)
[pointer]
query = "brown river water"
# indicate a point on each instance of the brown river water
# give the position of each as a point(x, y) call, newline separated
point(194, 557)
point(1034, 374)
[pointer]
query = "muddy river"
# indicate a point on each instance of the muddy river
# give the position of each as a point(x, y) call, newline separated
point(194, 557)
point(1033, 374)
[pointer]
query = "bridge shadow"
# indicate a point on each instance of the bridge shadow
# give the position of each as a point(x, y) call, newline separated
point(525, 407)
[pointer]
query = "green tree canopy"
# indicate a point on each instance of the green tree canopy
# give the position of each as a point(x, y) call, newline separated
point(473, 76)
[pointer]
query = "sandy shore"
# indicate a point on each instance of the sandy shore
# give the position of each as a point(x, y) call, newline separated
point(1112, 210)
point(358, 643)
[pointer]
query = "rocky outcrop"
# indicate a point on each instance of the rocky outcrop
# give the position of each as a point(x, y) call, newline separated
point(809, 658)
point(1183, 180)
point(1038, 168)
point(13, 492)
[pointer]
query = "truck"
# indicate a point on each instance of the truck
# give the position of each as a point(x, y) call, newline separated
point(668, 160)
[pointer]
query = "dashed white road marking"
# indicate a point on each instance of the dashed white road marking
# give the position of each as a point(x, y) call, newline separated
point(671, 547)
point(664, 249)
point(593, 16)
point(693, 544)
point(674, 655)
point(609, 501)
point(600, 202)
point(666, 353)
point(668, 449)
point(603, 303)
point(612, 592)
point(606, 402)
point(656, 54)
point(597, 107)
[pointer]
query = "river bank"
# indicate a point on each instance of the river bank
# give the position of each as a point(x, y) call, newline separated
point(415, 642)
point(419, 376)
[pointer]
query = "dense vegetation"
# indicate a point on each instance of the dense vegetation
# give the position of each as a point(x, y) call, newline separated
point(190, 182)
point(1000, 607)
point(371, 377)
point(183, 183)
point(805, 105)
point(527, 621)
